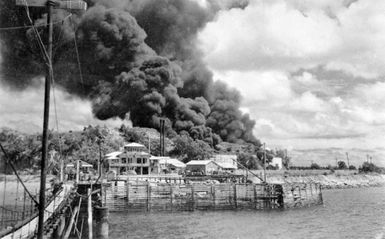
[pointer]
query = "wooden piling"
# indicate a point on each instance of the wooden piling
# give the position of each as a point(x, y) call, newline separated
point(89, 207)
point(70, 225)
point(148, 196)
point(60, 228)
point(101, 225)
point(235, 195)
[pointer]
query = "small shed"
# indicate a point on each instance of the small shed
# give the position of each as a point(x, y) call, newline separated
point(84, 167)
point(202, 167)
point(161, 164)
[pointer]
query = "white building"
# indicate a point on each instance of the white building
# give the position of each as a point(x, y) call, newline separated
point(162, 164)
point(276, 162)
point(133, 158)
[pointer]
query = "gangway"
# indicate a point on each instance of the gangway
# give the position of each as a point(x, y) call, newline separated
point(28, 227)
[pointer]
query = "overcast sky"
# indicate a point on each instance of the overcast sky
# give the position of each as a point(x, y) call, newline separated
point(311, 72)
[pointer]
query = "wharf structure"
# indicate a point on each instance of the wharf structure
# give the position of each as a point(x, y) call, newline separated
point(205, 184)
point(179, 196)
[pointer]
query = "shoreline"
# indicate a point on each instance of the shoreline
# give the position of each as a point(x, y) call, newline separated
point(330, 181)
point(334, 181)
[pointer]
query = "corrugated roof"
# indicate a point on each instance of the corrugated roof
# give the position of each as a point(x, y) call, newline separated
point(113, 155)
point(199, 162)
point(134, 145)
point(172, 161)
point(227, 165)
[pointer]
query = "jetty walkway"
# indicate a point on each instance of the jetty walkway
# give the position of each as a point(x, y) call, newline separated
point(25, 223)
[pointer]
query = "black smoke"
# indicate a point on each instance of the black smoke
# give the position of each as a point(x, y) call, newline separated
point(137, 57)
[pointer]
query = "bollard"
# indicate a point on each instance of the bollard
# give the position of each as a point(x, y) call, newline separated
point(101, 225)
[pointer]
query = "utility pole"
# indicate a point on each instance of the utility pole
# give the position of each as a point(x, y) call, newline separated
point(100, 158)
point(49, 5)
point(264, 162)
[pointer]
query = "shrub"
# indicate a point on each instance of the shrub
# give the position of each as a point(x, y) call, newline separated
point(314, 166)
point(352, 167)
point(369, 167)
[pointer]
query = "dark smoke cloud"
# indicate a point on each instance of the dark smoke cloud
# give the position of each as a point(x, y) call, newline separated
point(138, 58)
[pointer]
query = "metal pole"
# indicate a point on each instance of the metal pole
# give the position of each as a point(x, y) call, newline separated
point(40, 228)
point(264, 162)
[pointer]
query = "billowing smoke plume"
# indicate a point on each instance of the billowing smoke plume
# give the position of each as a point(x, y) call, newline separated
point(137, 58)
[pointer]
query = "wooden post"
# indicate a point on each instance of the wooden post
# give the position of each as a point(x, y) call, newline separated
point(69, 229)
point(59, 230)
point(128, 192)
point(101, 217)
point(77, 171)
point(171, 196)
point(192, 196)
point(61, 169)
point(213, 194)
point(235, 195)
point(148, 196)
point(255, 196)
point(23, 204)
point(89, 213)
point(43, 164)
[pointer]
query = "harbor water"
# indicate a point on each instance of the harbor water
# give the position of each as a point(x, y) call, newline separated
point(346, 213)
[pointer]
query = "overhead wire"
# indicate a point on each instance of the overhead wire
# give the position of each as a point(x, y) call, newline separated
point(77, 56)
point(8, 161)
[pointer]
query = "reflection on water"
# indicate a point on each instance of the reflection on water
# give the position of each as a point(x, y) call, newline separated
point(348, 213)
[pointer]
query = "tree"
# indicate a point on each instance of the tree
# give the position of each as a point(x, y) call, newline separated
point(352, 167)
point(314, 166)
point(369, 168)
point(23, 150)
point(341, 165)
point(189, 149)
point(248, 160)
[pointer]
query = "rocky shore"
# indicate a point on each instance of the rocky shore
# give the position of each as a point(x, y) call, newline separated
point(333, 181)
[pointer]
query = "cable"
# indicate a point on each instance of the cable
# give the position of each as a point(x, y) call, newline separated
point(17, 175)
point(77, 56)
point(41, 44)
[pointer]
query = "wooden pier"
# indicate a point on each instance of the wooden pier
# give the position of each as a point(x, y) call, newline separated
point(149, 196)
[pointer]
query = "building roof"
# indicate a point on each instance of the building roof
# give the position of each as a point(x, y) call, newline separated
point(134, 145)
point(135, 153)
point(227, 165)
point(172, 161)
point(227, 161)
point(199, 162)
point(82, 165)
point(113, 155)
